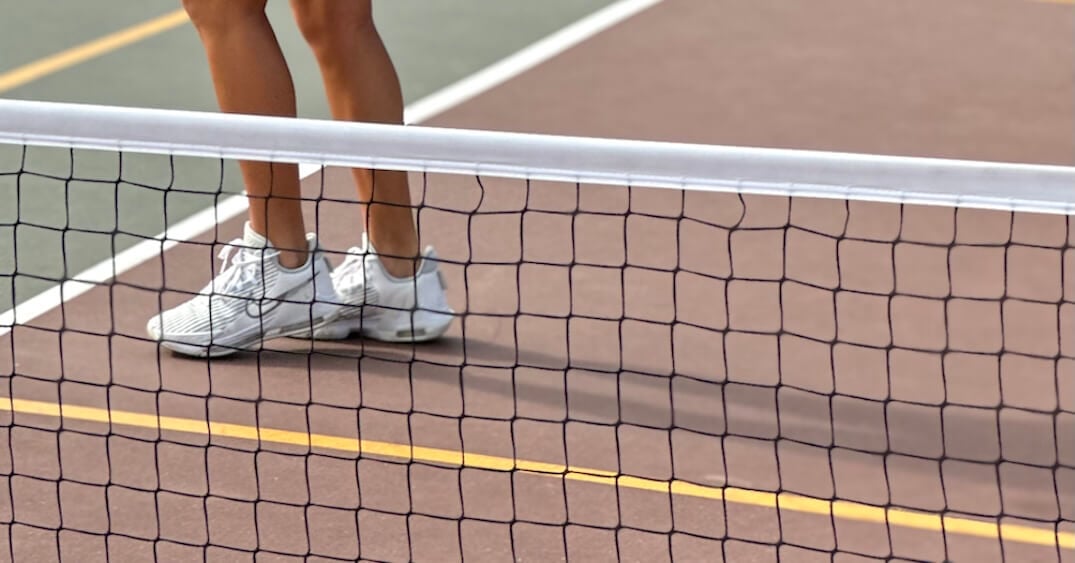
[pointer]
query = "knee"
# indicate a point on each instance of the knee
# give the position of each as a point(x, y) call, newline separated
point(214, 15)
point(331, 25)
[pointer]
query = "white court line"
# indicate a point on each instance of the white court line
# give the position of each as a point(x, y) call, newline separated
point(232, 206)
point(522, 61)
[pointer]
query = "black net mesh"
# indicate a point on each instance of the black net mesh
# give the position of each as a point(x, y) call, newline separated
point(634, 374)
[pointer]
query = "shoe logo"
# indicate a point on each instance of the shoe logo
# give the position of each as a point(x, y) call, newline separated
point(266, 305)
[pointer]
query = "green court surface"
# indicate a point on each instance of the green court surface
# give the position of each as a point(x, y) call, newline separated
point(433, 42)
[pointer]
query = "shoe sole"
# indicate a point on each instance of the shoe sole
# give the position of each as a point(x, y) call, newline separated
point(252, 342)
point(367, 328)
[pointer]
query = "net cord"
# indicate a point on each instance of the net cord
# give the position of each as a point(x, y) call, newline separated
point(556, 158)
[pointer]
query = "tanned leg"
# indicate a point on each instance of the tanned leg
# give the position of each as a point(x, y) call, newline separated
point(251, 76)
point(362, 85)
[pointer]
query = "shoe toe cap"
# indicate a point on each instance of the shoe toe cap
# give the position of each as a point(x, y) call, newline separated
point(153, 328)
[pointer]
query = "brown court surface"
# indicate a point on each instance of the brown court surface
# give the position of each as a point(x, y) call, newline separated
point(761, 344)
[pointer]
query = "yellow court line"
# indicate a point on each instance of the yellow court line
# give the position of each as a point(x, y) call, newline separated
point(781, 501)
point(81, 53)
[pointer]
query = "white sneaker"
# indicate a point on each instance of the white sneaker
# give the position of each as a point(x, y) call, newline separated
point(254, 299)
point(380, 306)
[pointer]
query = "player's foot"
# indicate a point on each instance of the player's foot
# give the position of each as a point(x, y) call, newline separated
point(380, 306)
point(254, 299)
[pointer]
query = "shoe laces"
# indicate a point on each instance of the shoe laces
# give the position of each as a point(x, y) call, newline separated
point(240, 267)
point(353, 270)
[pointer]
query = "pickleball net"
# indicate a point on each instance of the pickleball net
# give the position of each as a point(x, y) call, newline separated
point(661, 352)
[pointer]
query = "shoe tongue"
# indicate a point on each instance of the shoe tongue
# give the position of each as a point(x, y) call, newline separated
point(252, 239)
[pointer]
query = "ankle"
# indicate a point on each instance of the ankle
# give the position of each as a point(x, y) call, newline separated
point(401, 268)
point(397, 251)
point(292, 259)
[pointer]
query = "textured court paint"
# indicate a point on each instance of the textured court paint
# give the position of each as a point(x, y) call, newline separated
point(187, 229)
point(782, 501)
point(81, 53)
